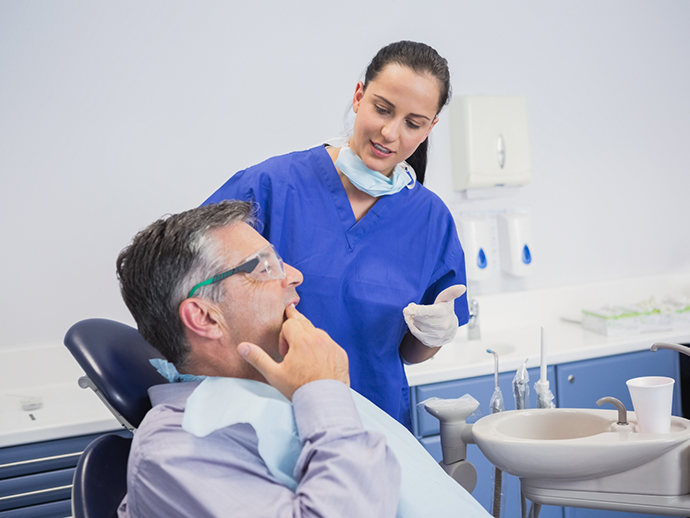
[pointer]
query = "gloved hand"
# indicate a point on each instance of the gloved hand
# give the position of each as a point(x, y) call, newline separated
point(436, 324)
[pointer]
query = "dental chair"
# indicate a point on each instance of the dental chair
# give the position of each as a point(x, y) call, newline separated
point(115, 358)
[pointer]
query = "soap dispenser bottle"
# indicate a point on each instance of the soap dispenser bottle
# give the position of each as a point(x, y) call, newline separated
point(476, 240)
point(515, 243)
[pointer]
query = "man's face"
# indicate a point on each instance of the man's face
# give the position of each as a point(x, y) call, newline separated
point(254, 311)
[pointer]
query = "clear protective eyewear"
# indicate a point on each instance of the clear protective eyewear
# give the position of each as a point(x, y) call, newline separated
point(264, 265)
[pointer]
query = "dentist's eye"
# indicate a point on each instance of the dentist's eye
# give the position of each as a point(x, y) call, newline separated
point(413, 125)
point(380, 110)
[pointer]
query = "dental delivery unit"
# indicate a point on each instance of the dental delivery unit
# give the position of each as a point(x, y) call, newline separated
point(591, 458)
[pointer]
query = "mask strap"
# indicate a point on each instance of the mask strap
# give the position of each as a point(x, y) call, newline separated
point(410, 171)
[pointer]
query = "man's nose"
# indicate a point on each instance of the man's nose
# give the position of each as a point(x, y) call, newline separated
point(293, 277)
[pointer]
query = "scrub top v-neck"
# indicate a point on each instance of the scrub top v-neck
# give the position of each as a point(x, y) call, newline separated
point(354, 230)
point(358, 275)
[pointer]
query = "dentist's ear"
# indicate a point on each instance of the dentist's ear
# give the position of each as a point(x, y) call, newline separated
point(201, 318)
point(433, 123)
point(357, 97)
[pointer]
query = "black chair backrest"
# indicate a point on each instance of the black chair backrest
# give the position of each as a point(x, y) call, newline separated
point(100, 480)
point(115, 357)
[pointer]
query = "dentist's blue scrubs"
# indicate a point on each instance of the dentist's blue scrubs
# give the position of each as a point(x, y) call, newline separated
point(358, 275)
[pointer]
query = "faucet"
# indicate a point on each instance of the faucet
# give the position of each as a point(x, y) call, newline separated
point(622, 412)
point(663, 345)
point(473, 331)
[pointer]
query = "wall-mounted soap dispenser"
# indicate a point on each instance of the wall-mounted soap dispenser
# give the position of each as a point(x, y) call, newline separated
point(478, 238)
point(515, 243)
point(489, 141)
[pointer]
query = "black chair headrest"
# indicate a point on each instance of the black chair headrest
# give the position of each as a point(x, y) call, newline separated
point(116, 359)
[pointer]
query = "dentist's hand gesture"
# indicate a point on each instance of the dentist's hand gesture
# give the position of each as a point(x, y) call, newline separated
point(436, 324)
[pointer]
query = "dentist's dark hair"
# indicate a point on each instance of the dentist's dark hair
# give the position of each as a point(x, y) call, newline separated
point(422, 59)
point(165, 260)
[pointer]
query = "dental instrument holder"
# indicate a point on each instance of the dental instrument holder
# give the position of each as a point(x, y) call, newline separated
point(521, 387)
point(456, 434)
point(541, 387)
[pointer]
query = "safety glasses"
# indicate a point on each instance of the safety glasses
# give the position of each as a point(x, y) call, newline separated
point(264, 265)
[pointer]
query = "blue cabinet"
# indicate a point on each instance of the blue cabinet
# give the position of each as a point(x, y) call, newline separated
point(575, 385)
point(36, 479)
point(581, 384)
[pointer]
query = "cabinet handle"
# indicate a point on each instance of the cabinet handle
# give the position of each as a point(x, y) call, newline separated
point(571, 378)
point(43, 459)
point(37, 492)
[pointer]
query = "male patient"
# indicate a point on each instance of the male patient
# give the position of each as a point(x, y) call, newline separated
point(214, 298)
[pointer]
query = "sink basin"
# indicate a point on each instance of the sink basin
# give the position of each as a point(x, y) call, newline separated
point(584, 449)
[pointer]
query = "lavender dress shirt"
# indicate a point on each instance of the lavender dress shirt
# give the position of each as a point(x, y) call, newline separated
point(343, 470)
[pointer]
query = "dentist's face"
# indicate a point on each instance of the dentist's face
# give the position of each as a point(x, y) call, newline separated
point(394, 115)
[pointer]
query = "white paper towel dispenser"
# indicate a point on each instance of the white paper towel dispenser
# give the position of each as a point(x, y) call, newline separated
point(489, 141)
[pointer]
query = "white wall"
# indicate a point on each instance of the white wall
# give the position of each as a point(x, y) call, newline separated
point(112, 114)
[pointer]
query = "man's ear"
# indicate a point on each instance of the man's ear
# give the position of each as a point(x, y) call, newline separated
point(201, 318)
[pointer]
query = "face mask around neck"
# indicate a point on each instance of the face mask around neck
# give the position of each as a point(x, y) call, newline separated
point(372, 182)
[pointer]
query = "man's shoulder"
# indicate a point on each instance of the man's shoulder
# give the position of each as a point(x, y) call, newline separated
point(165, 417)
point(161, 432)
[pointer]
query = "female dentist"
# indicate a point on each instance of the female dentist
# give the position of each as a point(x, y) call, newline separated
point(384, 272)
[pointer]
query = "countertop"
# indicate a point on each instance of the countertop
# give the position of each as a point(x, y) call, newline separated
point(45, 376)
point(566, 342)
point(511, 323)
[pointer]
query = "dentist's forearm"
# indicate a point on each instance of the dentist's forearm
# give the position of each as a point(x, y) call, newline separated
point(414, 351)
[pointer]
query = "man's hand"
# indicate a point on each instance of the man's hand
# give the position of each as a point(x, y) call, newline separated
point(309, 354)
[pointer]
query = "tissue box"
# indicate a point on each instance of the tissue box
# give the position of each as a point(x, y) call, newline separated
point(681, 317)
point(678, 308)
point(651, 320)
point(647, 316)
point(611, 321)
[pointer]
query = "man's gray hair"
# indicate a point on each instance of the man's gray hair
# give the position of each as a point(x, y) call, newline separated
point(165, 260)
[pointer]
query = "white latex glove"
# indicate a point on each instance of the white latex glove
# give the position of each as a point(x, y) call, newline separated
point(436, 324)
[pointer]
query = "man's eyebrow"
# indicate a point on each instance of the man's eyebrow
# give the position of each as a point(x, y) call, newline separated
point(383, 99)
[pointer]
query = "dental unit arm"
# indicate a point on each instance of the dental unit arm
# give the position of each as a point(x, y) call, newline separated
point(456, 434)
point(673, 347)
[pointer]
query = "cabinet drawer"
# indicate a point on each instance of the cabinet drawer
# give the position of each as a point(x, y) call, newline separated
point(36, 489)
point(480, 388)
point(38, 457)
point(61, 509)
point(36, 479)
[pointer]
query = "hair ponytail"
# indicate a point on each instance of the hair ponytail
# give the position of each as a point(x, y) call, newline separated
point(418, 160)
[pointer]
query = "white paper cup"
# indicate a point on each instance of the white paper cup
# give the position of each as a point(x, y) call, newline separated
point(652, 398)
